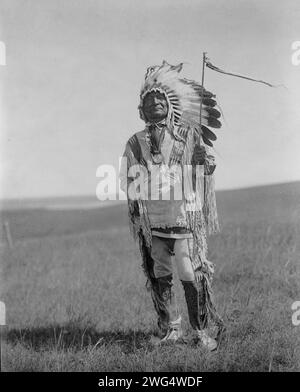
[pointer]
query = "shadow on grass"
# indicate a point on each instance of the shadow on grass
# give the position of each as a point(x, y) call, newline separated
point(70, 337)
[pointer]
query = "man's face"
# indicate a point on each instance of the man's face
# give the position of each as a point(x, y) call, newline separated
point(155, 106)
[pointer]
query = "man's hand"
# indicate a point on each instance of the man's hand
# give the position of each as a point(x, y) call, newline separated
point(210, 165)
point(207, 268)
point(199, 155)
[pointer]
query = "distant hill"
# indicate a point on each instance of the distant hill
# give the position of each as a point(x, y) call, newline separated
point(39, 218)
point(52, 203)
point(279, 202)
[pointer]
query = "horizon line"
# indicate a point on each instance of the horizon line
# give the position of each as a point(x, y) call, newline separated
point(89, 195)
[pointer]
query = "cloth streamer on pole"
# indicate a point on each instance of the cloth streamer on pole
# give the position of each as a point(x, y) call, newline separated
point(214, 68)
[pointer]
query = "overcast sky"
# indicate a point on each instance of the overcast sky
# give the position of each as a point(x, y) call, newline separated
point(70, 89)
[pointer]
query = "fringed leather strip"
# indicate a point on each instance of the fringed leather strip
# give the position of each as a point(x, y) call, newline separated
point(210, 306)
point(144, 223)
point(147, 262)
point(210, 205)
point(137, 210)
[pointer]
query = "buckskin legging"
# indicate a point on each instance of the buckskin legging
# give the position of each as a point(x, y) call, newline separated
point(163, 251)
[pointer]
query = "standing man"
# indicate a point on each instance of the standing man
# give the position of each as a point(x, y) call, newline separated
point(168, 177)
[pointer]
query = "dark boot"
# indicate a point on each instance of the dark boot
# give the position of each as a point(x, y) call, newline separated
point(164, 302)
point(200, 306)
point(195, 300)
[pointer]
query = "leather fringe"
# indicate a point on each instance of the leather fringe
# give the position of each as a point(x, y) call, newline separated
point(210, 205)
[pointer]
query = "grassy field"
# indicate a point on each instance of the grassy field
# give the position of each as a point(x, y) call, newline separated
point(76, 297)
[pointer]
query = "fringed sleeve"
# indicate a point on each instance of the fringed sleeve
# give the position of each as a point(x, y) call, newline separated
point(138, 217)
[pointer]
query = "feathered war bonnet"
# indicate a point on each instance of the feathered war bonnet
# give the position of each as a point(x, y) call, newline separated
point(184, 100)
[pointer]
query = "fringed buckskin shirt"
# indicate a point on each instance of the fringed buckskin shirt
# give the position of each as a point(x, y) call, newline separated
point(190, 210)
point(163, 187)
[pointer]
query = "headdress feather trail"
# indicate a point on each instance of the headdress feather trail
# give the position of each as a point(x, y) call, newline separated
point(184, 98)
